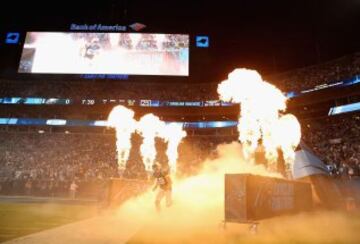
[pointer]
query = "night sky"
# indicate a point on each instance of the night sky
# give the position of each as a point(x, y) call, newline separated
point(271, 36)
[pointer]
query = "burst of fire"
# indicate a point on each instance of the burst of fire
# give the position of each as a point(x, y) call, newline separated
point(149, 127)
point(173, 133)
point(122, 119)
point(288, 141)
point(260, 118)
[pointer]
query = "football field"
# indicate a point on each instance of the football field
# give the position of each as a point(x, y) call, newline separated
point(19, 219)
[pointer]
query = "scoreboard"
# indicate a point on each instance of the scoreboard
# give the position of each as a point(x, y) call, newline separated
point(105, 53)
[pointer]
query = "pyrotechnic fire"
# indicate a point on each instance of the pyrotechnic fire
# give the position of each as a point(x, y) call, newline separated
point(173, 133)
point(122, 119)
point(149, 127)
point(288, 141)
point(260, 118)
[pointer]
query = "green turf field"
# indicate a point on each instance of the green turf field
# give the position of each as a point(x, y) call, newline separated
point(19, 219)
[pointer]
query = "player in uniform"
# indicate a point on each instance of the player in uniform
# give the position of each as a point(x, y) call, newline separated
point(164, 183)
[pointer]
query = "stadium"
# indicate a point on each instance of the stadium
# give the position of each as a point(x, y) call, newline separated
point(200, 122)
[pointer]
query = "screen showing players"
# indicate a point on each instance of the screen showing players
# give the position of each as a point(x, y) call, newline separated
point(105, 53)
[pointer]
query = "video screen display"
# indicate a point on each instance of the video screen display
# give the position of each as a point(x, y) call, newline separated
point(105, 53)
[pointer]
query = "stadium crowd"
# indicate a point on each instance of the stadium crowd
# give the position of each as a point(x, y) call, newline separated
point(47, 164)
point(326, 73)
point(108, 90)
point(58, 164)
point(294, 80)
point(336, 141)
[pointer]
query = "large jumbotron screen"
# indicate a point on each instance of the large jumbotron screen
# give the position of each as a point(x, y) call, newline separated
point(105, 53)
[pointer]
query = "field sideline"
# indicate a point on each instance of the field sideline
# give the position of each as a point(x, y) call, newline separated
point(19, 217)
point(307, 227)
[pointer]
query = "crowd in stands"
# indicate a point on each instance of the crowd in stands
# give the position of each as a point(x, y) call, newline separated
point(109, 90)
point(326, 73)
point(51, 163)
point(47, 164)
point(336, 140)
point(57, 164)
point(54, 164)
point(294, 80)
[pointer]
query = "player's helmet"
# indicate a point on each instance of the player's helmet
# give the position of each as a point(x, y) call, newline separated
point(156, 170)
point(156, 166)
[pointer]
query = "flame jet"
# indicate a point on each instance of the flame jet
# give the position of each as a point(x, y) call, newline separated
point(261, 116)
point(122, 119)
